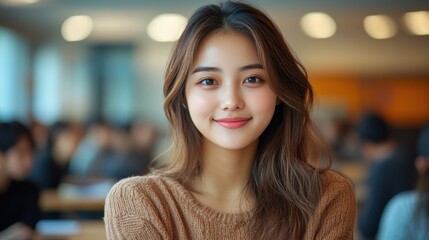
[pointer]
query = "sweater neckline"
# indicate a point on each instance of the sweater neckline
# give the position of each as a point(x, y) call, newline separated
point(193, 204)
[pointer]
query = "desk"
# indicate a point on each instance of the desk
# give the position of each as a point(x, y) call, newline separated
point(93, 230)
point(51, 200)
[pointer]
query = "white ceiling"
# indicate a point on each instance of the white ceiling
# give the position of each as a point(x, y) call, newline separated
point(349, 50)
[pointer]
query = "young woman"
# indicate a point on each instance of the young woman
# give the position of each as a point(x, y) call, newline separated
point(407, 214)
point(19, 199)
point(244, 157)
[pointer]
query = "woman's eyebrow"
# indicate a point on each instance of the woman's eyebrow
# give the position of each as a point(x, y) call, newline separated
point(251, 66)
point(206, 69)
point(215, 69)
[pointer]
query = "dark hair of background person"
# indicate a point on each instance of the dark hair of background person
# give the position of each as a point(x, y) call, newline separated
point(373, 128)
point(423, 183)
point(285, 175)
point(11, 132)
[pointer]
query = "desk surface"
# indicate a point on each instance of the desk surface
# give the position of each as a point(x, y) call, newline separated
point(92, 230)
point(51, 200)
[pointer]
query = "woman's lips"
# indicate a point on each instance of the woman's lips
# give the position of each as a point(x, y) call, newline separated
point(232, 122)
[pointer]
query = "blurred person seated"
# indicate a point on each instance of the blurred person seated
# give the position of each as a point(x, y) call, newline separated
point(407, 214)
point(118, 151)
point(53, 154)
point(391, 171)
point(19, 198)
point(89, 148)
point(128, 151)
point(113, 160)
point(144, 138)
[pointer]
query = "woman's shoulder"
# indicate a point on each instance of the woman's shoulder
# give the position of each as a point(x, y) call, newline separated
point(337, 188)
point(333, 180)
point(135, 181)
point(137, 195)
point(335, 213)
point(140, 185)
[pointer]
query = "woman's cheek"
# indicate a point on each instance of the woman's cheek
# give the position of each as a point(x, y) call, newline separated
point(201, 103)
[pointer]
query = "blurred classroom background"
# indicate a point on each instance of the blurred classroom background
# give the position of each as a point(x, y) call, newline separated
point(86, 76)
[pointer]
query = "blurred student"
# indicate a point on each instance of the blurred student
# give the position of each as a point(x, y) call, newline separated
point(391, 171)
point(243, 143)
point(19, 209)
point(52, 158)
point(407, 214)
point(90, 147)
point(128, 152)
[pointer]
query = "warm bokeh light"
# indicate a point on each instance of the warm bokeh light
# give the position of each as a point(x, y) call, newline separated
point(166, 27)
point(76, 28)
point(117, 27)
point(417, 22)
point(318, 25)
point(18, 2)
point(379, 26)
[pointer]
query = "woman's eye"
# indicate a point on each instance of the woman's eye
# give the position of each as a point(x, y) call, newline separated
point(252, 80)
point(208, 82)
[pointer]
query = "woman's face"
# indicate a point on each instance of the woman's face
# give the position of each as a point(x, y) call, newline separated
point(17, 162)
point(227, 91)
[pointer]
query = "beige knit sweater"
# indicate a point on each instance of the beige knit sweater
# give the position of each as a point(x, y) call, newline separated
point(157, 207)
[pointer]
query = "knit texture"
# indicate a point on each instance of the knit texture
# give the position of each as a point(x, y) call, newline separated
point(158, 207)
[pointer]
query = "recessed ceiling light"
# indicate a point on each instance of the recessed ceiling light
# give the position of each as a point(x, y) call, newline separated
point(18, 2)
point(116, 26)
point(417, 22)
point(76, 28)
point(318, 25)
point(166, 27)
point(379, 26)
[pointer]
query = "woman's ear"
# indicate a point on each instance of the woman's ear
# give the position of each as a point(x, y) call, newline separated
point(422, 165)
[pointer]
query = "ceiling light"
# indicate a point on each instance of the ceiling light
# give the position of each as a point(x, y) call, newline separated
point(76, 28)
point(417, 22)
point(318, 25)
point(117, 27)
point(18, 2)
point(166, 27)
point(379, 26)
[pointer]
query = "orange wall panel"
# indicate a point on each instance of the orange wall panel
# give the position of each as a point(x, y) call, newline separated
point(404, 102)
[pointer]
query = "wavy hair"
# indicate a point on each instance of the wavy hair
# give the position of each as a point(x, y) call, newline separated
point(284, 179)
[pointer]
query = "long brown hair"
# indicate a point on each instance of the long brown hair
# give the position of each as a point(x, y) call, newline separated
point(285, 184)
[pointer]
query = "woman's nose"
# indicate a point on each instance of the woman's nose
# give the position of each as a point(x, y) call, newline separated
point(231, 99)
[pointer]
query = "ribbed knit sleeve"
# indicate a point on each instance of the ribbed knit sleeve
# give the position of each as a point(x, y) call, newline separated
point(127, 215)
point(335, 214)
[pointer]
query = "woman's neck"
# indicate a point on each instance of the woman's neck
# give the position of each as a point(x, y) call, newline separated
point(225, 175)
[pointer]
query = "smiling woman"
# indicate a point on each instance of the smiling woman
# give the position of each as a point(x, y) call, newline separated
point(227, 91)
point(244, 161)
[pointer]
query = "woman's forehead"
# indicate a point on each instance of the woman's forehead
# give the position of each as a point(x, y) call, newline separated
point(226, 48)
